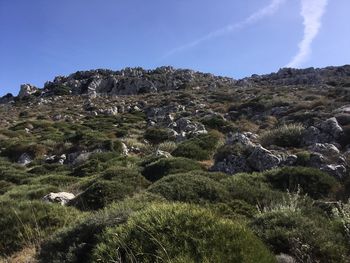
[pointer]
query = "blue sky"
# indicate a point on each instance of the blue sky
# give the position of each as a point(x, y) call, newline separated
point(44, 38)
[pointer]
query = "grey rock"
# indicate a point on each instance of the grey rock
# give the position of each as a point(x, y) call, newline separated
point(331, 127)
point(317, 160)
point(25, 159)
point(7, 98)
point(290, 160)
point(77, 158)
point(262, 159)
point(337, 171)
point(160, 153)
point(62, 197)
point(232, 164)
point(27, 90)
point(327, 149)
point(241, 138)
point(284, 258)
point(125, 150)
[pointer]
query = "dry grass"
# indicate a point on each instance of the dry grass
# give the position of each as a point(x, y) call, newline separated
point(26, 255)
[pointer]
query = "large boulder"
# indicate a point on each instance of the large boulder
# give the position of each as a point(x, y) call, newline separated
point(327, 149)
point(62, 197)
point(262, 159)
point(328, 131)
point(232, 164)
point(27, 90)
point(337, 171)
point(331, 127)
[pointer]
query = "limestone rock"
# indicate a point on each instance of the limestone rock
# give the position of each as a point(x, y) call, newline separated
point(25, 159)
point(62, 197)
point(160, 153)
point(324, 148)
point(337, 171)
point(27, 90)
point(232, 164)
point(262, 159)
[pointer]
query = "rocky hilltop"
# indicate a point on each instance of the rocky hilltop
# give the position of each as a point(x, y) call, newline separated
point(207, 165)
point(333, 76)
point(129, 81)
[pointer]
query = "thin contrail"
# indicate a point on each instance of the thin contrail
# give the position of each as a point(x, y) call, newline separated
point(312, 12)
point(253, 18)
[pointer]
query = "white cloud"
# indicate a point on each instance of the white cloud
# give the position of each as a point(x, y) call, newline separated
point(312, 12)
point(253, 18)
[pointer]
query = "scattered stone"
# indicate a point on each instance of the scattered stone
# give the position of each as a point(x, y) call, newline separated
point(125, 150)
point(25, 159)
point(62, 197)
point(160, 153)
point(284, 258)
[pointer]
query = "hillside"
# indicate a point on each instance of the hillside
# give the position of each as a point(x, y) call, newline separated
point(171, 165)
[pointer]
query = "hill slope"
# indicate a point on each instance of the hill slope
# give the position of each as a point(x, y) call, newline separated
point(145, 165)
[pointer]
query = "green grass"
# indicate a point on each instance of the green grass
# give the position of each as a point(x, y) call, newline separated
point(174, 232)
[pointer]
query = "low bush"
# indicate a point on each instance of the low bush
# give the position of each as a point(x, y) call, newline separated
point(190, 188)
point(218, 123)
point(307, 239)
point(251, 188)
point(312, 181)
point(177, 232)
point(14, 151)
point(75, 243)
point(226, 150)
point(199, 148)
point(303, 158)
point(157, 135)
point(113, 185)
point(165, 166)
point(28, 223)
point(284, 136)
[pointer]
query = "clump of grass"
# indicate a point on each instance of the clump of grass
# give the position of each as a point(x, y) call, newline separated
point(199, 148)
point(28, 223)
point(168, 232)
point(342, 212)
point(165, 166)
point(288, 135)
point(167, 146)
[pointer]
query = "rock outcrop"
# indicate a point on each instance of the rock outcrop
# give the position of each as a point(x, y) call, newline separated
point(27, 90)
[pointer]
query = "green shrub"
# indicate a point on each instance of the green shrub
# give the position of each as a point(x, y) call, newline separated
point(218, 123)
point(312, 181)
point(190, 188)
point(5, 186)
point(199, 148)
point(14, 151)
point(285, 136)
point(252, 189)
point(28, 223)
point(226, 150)
point(157, 135)
point(308, 239)
point(75, 243)
point(165, 166)
point(30, 192)
point(170, 232)
point(303, 158)
point(115, 184)
point(59, 90)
